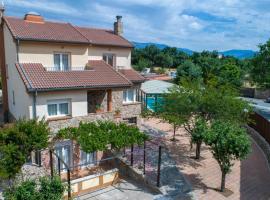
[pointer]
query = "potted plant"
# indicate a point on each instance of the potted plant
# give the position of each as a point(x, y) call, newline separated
point(98, 108)
point(117, 113)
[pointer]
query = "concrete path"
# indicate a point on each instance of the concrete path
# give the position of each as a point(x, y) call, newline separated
point(248, 180)
point(125, 190)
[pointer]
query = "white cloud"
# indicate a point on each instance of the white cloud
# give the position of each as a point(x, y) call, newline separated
point(161, 20)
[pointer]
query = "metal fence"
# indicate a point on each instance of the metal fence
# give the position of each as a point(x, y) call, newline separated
point(261, 125)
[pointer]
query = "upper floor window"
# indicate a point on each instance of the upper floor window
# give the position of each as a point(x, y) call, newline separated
point(58, 108)
point(61, 61)
point(129, 96)
point(109, 59)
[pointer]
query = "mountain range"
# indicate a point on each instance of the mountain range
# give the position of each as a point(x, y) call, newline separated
point(237, 53)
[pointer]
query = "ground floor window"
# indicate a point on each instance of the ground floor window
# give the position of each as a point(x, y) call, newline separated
point(131, 120)
point(64, 152)
point(129, 96)
point(88, 158)
point(58, 108)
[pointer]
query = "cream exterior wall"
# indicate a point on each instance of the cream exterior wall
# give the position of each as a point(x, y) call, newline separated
point(78, 99)
point(23, 100)
point(123, 55)
point(36, 52)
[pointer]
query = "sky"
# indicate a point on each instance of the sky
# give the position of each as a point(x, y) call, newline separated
point(194, 24)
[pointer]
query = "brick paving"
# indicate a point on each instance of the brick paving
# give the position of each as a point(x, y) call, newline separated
point(248, 180)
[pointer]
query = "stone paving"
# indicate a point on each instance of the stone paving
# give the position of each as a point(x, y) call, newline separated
point(248, 180)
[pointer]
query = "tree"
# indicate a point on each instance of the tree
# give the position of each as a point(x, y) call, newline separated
point(191, 100)
point(228, 142)
point(231, 74)
point(164, 60)
point(43, 189)
point(260, 73)
point(188, 70)
point(18, 141)
point(96, 136)
point(142, 64)
point(198, 132)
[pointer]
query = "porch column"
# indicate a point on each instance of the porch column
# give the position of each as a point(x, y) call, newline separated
point(109, 100)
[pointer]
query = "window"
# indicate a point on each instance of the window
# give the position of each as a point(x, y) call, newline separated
point(88, 158)
point(129, 96)
point(63, 151)
point(58, 108)
point(109, 59)
point(61, 61)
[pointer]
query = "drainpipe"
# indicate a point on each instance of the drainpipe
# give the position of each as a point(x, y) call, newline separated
point(17, 50)
point(35, 104)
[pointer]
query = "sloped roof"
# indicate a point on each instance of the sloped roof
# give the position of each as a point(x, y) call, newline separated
point(63, 32)
point(156, 87)
point(101, 75)
point(132, 75)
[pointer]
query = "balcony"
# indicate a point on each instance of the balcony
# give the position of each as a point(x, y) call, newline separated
point(55, 69)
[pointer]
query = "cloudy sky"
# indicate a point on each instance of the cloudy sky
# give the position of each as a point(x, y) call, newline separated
point(193, 24)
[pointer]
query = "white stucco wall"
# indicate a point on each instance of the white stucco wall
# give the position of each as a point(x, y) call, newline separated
point(123, 55)
point(78, 99)
point(43, 53)
point(22, 99)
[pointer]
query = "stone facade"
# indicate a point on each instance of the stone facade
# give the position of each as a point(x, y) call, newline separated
point(126, 111)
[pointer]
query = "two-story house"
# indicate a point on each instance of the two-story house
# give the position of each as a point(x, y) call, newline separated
point(66, 73)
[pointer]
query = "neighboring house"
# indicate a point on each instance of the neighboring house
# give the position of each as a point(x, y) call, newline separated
point(66, 73)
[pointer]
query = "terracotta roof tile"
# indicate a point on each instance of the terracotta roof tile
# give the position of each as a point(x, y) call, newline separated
point(132, 75)
point(63, 32)
point(101, 75)
point(103, 37)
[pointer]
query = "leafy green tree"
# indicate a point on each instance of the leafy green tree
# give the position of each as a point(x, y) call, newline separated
point(231, 74)
point(142, 64)
point(18, 141)
point(44, 189)
point(164, 60)
point(260, 73)
point(197, 135)
point(188, 70)
point(96, 136)
point(228, 142)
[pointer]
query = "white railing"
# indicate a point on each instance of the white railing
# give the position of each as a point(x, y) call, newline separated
point(54, 69)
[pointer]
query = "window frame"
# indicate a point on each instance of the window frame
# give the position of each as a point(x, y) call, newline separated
point(106, 60)
point(86, 164)
point(61, 61)
point(57, 103)
point(125, 96)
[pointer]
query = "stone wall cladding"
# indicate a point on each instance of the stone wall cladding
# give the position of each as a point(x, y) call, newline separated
point(263, 144)
point(127, 111)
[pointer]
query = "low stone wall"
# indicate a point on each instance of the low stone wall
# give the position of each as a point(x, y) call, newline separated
point(261, 142)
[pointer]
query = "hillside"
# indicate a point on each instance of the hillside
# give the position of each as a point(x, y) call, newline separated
point(237, 53)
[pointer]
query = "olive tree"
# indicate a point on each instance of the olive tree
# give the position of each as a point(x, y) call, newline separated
point(228, 142)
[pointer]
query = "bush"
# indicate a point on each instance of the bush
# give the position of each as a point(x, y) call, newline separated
point(44, 189)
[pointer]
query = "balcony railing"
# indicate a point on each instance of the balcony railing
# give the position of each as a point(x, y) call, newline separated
point(54, 69)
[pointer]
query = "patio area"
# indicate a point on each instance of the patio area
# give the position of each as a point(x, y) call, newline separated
point(248, 180)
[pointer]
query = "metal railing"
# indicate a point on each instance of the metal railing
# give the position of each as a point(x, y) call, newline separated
point(54, 69)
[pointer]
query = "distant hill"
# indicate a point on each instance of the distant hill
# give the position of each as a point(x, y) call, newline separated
point(240, 54)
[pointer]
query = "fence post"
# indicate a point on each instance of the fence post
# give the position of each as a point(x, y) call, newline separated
point(51, 163)
point(131, 155)
point(144, 149)
point(69, 186)
point(59, 166)
point(159, 163)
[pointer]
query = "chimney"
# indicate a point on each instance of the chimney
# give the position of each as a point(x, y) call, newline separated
point(118, 25)
point(2, 10)
point(34, 18)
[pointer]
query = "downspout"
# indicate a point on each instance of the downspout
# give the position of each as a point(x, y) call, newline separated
point(35, 104)
point(17, 50)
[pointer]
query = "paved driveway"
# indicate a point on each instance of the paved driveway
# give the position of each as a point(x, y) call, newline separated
point(125, 190)
point(248, 180)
